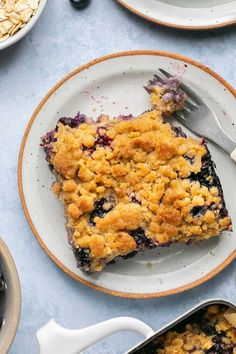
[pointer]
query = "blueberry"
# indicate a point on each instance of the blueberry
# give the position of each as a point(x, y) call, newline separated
point(198, 210)
point(178, 131)
point(73, 122)
point(135, 200)
point(83, 258)
point(216, 339)
point(208, 329)
point(141, 239)
point(103, 140)
point(79, 4)
point(99, 210)
point(189, 159)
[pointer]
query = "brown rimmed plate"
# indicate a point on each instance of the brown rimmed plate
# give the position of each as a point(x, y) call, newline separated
point(185, 14)
point(108, 85)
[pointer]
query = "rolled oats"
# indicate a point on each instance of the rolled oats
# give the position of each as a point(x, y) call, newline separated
point(14, 14)
point(4, 37)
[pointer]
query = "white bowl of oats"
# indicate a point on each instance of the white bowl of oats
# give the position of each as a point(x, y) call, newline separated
point(17, 18)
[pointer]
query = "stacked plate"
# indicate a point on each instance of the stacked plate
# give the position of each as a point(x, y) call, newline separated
point(186, 14)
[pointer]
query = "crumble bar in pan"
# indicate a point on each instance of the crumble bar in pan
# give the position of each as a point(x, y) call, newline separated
point(208, 332)
point(134, 183)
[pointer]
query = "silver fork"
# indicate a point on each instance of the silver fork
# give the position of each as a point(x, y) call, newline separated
point(192, 117)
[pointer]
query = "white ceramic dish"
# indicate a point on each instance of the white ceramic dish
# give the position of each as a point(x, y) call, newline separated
point(24, 30)
point(187, 14)
point(108, 85)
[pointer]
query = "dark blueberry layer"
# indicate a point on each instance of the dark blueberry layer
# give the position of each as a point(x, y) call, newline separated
point(47, 140)
point(189, 159)
point(219, 346)
point(82, 256)
point(126, 117)
point(198, 210)
point(178, 131)
point(208, 177)
point(99, 210)
point(207, 328)
point(135, 200)
point(141, 239)
point(102, 140)
point(73, 122)
point(130, 255)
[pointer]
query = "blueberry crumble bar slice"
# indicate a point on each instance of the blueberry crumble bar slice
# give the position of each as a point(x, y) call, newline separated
point(133, 183)
point(206, 332)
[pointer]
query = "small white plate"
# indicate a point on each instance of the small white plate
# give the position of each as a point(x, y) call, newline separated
point(187, 14)
point(114, 84)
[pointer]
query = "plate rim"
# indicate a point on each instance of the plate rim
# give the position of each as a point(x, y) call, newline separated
point(81, 68)
point(173, 25)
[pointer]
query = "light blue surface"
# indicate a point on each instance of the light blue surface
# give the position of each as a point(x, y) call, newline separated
point(62, 40)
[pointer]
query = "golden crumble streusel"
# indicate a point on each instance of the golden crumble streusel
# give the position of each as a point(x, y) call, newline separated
point(208, 332)
point(130, 184)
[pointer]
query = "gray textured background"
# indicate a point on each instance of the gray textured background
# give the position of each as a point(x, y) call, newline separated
point(62, 40)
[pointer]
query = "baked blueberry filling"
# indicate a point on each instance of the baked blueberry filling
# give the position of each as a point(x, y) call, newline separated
point(219, 346)
point(178, 131)
point(189, 159)
point(207, 177)
point(102, 140)
point(99, 210)
point(198, 210)
point(126, 117)
point(47, 141)
point(208, 329)
point(141, 239)
point(130, 255)
point(135, 200)
point(73, 122)
point(82, 256)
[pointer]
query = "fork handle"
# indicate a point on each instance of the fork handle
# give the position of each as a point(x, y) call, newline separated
point(233, 155)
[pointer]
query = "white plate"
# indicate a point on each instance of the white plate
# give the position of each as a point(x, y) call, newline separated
point(114, 84)
point(188, 14)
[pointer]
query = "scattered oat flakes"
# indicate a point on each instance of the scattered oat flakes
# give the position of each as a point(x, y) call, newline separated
point(14, 14)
